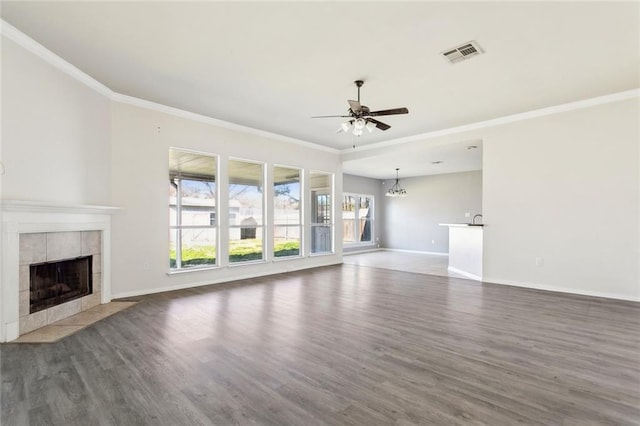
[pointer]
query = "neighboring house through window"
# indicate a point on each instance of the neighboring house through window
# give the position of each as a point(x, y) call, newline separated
point(192, 209)
point(246, 208)
point(287, 214)
point(194, 229)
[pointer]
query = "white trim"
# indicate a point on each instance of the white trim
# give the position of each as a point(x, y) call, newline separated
point(155, 290)
point(463, 273)
point(323, 253)
point(247, 262)
point(284, 258)
point(23, 40)
point(141, 103)
point(38, 207)
point(350, 252)
point(195, 269)
point(433, 253)
point(48, 56)
point(71, 70)
point(566, 290)
point(585, 103)
point(12, 330)
point(31, 217)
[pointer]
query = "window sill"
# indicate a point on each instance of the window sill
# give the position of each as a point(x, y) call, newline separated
point(283, 258)
point(328, 253)
point(185, 270)
point(248, 262)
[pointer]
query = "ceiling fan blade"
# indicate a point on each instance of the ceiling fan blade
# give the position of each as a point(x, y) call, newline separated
point(392, 111)
point(331, 116)
point(379, 124)
point(355, 106)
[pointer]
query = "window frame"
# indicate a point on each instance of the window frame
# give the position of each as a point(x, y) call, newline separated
point(301, 211)
point(178, 227)
point(358, 197)
point(263, 206)
point(313, 209)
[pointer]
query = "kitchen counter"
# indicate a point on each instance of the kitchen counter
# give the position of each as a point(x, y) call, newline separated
point(465, 249)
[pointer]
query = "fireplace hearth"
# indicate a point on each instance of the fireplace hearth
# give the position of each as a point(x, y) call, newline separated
point(54, 283)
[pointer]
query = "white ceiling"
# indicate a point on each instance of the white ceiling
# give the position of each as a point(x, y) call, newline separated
point(272, 66)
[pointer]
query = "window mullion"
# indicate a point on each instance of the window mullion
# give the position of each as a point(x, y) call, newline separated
point(179, 224)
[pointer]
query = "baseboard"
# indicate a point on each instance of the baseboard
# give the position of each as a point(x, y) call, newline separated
point(371, 250)
point(555, 289)
point(464, 273)
point(143, 292)
point(433, 253)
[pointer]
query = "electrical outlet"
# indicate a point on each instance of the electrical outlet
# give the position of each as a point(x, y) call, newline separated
point(433, 241)
point(467, 214)
point(539, 261)
point(145, 266)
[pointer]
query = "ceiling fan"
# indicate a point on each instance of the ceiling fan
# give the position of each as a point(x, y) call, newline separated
point(360, 117)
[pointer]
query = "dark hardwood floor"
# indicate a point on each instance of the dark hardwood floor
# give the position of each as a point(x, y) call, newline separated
point(341, 345)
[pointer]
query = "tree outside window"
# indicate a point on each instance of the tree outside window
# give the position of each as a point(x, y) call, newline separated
point(192, 210)
point(287, 214)
point(246, 211)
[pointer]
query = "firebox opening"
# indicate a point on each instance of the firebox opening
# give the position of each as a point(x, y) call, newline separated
point(53, 283)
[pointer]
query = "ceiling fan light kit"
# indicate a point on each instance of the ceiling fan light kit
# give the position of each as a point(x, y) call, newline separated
point(370, 126)
point(360, 117)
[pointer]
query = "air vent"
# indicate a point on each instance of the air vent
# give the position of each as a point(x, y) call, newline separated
point(462, 52)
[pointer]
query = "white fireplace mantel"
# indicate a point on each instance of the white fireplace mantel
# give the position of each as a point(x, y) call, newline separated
point(23, 217)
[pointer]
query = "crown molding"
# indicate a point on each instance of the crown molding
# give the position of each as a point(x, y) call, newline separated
point(23, 40)
point(51, 58)
point(48, 56)
point(556, 109)
point(141, 103)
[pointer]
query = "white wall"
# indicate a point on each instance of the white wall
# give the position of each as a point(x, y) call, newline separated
point(140, 145)
point(565, 188)
point(412, 222)
point(55, 133)
point(55, 148)
point(367, 186)
point(63, 142)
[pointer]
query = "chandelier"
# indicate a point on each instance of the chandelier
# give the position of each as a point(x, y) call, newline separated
point(396, 190)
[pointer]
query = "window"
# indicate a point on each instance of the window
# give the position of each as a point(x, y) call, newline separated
point(192, 209)
point(357, 212)
point(321, 212)
point(246, 207)
point(287, 218)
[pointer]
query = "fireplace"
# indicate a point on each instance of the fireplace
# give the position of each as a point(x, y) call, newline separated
point(36, 233)
point(54, 283)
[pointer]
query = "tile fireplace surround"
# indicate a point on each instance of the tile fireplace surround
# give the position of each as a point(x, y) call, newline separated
point(33, 232)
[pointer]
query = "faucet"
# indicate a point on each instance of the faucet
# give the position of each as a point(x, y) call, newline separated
point(474, 218)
